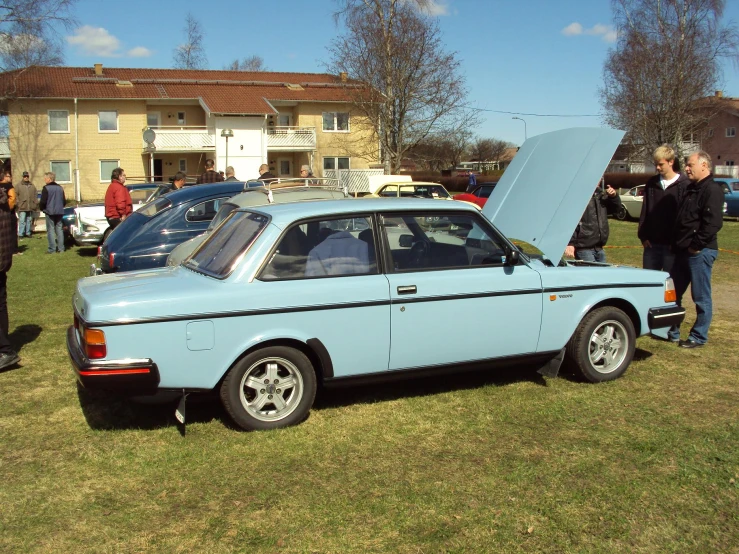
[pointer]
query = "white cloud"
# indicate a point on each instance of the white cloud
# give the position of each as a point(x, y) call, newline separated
point(95, 41)
point(572, 29)
point(139, 52)
point(434, 8)
point(606, 32)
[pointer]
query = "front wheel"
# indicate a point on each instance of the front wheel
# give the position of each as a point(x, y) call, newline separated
point(622, 214)
point(603, 345)
point(270, 388)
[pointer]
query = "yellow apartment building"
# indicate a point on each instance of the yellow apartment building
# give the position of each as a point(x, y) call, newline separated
point(81, 123)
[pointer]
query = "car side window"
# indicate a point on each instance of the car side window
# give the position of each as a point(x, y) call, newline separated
point(204, 211)
point(444, 241)
point(390, 191)
point(325, 248)
point(140, 195)
point(485, 192)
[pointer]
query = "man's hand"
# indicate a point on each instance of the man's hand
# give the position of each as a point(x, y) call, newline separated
point(610, 191)
point(570, 252)
point(646, 244)
point(694, 252)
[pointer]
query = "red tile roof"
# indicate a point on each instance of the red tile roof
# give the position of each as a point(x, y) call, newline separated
point(223, 92)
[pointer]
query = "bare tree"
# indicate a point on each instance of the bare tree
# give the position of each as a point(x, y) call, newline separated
point(191, 54)
point(29, 32)
point(399, 77)
point(665, 64)
point(439, 152)
point(488, 149)
point(252, 63)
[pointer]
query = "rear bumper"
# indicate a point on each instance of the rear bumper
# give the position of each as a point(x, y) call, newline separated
point(82, 237)
point(659, 318)
point(126, 376)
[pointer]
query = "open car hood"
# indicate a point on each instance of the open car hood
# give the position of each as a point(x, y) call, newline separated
point(544, 191)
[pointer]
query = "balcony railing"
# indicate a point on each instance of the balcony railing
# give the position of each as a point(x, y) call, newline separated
point(291, 138)
point(183, 139)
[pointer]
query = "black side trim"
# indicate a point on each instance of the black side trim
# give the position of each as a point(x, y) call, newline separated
point(606, 286)
point(323, 355)
point(659, 318)
point(427, 371)
point(405, 300)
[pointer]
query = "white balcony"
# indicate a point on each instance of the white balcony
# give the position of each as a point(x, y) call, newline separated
point(183, 139)
point(282, 139)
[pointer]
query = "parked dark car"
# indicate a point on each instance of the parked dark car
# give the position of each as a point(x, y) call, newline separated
point(731, 196)
point(146, 237)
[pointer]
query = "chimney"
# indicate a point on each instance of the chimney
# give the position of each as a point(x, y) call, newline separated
point(343, 76)
point(98, 70)
point(719, 94)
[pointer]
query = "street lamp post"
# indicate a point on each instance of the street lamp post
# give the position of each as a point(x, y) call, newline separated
point(525, 133)
point(227, 133)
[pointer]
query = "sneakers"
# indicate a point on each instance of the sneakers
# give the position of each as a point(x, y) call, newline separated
point(690, 343)
point(8, 359)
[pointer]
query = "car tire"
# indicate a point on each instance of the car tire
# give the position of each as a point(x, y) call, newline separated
point(603, 345)
point(622, 214)
point(270, 388)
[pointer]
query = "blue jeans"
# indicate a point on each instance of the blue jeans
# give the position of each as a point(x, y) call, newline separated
point(658, 257)
point(590, 254)
point(25, 224)
point(695, 270)
point(54, 233)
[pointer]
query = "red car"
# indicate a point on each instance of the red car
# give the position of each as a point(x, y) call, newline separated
point(478, 195)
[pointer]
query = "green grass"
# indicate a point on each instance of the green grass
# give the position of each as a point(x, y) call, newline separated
point(505, 461)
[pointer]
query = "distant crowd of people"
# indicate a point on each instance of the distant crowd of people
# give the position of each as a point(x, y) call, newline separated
point(680, 219)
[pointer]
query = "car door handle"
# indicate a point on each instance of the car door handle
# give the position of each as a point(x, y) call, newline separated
point(408, 289)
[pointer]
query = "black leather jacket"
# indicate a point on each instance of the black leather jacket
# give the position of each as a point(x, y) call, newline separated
point(593, 229)
point(700, 216)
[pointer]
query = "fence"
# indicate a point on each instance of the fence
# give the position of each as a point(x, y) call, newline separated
point(355, 180)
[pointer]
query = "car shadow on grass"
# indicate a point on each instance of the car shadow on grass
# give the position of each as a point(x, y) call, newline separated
point(106, 411)
point(410, 386)
point(87, 251)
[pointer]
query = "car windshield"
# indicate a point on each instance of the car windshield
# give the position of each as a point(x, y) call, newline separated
point(153, 208)
point(223, 249)
point(223, 211)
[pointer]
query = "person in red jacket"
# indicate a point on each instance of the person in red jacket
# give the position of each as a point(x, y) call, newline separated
point(118, 203)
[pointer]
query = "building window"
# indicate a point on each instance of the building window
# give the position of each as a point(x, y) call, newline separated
point(335, 163)
point(108, 121)
point(106, 169)
point(336, 121)
point(729, 162)
point(62, 170)
point(58, 121)
point(183, 165)
point(731, 131)
point(181, 120)
point(710, 132)
point(153, 119)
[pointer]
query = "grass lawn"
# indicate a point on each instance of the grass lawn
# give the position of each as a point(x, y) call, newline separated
point(505, 461)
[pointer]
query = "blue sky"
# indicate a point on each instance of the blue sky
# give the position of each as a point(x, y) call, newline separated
point(523, 57)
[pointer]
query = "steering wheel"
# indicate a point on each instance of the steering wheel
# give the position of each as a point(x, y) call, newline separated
point(419, 254)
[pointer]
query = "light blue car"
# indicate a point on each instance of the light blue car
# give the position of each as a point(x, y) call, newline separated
point(283, 298)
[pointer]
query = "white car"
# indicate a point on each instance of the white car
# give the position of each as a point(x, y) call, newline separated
point(631, 204)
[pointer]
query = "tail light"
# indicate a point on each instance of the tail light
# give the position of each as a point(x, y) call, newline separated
point(670, 294)
point(111, 260)
point(93, 343)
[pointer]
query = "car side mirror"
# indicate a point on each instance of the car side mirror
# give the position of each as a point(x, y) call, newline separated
point(512, 257)
point(406, 241)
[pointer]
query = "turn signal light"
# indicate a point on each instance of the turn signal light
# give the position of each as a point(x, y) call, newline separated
point(670, 294)
point(95, 347)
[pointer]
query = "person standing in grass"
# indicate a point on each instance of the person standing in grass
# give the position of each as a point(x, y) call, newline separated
point(52, 204)
point(659, 210)
point(700, 217)
point(27, 204)
point(118, 203)
point(8, 241)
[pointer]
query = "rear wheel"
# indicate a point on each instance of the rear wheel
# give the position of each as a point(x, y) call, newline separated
point(622, 214)
point(270, 388)
point(603, 345)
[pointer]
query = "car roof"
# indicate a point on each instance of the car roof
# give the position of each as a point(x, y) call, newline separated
point(284, 214)
point(186, 194)
point(259, 196)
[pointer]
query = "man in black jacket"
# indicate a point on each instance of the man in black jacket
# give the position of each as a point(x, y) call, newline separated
point(658, 212)
point(591, 234)
point(699, 219)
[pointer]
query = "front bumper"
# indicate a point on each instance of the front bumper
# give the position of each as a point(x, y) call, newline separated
point(660, 318)
point(82, 237)
point(129, 376)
